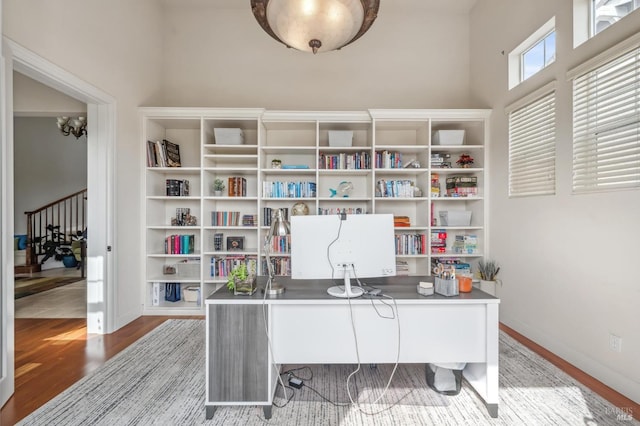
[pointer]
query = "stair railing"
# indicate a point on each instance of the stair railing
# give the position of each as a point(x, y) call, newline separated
point(69, 213)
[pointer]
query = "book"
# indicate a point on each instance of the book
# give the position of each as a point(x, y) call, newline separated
point(172, 153)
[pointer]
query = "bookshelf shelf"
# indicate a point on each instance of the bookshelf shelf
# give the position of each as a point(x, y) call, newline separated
point(301, 140)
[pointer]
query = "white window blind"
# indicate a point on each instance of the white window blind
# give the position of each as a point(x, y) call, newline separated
point(532, 148)
point(606, 125)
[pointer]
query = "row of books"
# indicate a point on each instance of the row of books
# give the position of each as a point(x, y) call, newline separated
point(163, 154)
point(279, 189)
point(280, 244)
point(281, 265)
point(343, 160)
point(225, 218)
point(411, 243)
point(221, 266)
point(237, 186)
point(401, 188)
point(249, 220)
point(179, 244)
point(177, 187)
point(336, 210)
point(388, 160)
point(267, 213)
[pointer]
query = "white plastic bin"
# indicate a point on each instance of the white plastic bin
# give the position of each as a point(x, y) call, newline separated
point(448, 137)
point(228, 136)
point(340, 138)
point(455, 218)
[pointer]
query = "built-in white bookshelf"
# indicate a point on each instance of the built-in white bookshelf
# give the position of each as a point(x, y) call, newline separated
point(300, 139)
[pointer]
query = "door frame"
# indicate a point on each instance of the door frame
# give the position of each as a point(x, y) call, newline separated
point(101, 142)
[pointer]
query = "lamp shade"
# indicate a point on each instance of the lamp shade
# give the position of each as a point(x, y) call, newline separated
point(315, 25)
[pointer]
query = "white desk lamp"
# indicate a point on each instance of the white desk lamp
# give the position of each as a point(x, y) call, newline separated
point(279, 228)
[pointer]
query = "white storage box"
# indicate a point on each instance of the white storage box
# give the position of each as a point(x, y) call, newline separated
point(191, 294)
point(340, 138)
point(225, 136)
point(455, 218)
point(448, 137)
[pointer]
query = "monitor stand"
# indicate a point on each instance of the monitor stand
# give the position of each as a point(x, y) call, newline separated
point(347, 291)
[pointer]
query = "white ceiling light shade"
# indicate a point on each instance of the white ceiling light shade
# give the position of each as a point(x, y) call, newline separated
point(315, 25)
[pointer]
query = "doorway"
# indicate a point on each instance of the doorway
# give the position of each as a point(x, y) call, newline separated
point(50, 181)
point(100, 183)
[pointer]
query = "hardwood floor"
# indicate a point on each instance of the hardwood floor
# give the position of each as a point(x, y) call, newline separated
point(52, 354)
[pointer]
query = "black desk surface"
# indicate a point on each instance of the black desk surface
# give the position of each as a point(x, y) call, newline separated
point(398, 287)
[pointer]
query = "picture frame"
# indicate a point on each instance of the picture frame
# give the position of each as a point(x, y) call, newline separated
point(235, 243)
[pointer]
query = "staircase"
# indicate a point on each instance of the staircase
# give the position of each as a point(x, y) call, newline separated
point(67, 216)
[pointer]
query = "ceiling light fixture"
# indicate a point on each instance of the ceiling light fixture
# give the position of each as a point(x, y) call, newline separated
point(315, 25)
point(75, 126)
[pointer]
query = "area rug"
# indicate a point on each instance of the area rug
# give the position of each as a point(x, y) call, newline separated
point(160, 380)
point(26, 286)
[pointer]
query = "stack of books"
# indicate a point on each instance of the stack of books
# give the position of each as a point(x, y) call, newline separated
point(401, 221)
point(402, 267)
point(462, 186)
point(439, 160)
point(465, 244)
point(249, 220)
point(438, 241)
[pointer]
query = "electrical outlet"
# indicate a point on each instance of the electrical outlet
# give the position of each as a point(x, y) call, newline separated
point(615, 343)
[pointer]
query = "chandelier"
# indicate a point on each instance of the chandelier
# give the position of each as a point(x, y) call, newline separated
point(75, 126)
point(315, 25)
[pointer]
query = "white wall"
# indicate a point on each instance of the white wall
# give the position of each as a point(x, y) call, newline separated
point(115, 46)
point(568, 261)
point(47, 165)
point(412, 57)
point(31, 98)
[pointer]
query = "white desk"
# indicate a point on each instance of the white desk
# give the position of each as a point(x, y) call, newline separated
point(307, 326)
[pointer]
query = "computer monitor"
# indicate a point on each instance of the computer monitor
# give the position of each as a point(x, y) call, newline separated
point(342, 246)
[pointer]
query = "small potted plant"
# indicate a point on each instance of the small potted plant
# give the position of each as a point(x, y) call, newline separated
point(241, 281)
point(488, 271)
point(465, 161)
point(276, 164)
point(218, 187)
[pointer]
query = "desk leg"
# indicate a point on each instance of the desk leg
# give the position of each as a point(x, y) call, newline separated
point(493, 410)
point(210, 410)
point(267, 410)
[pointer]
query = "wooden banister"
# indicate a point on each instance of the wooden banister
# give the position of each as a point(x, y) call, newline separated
point(68, 213)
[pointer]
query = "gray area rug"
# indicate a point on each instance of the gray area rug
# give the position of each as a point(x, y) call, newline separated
point(160, 380)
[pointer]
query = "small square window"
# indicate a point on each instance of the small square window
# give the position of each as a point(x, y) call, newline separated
point(605, 13)
point(534, 54)
point(539, 56)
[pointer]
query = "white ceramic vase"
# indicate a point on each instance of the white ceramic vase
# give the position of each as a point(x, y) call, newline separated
point(488, 287)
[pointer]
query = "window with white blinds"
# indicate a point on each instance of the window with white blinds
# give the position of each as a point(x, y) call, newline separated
point(606, 125)
point(532, 147)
